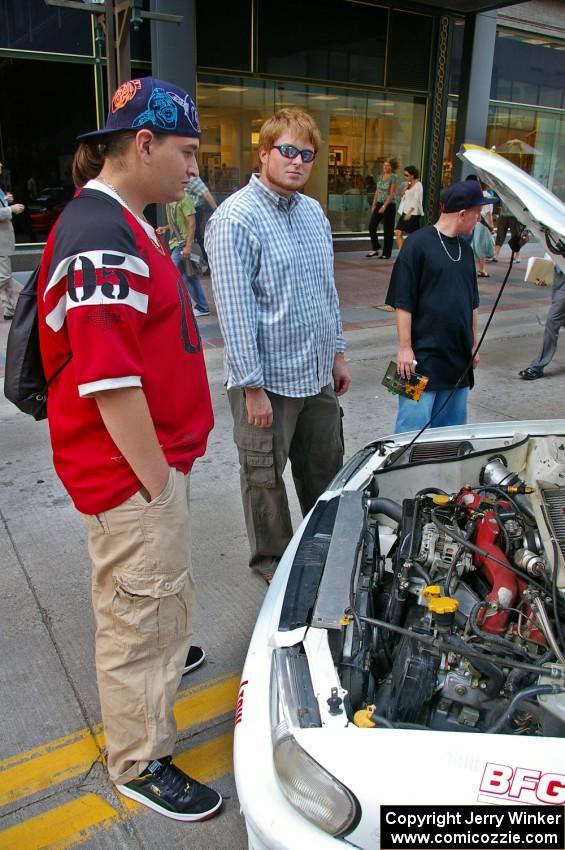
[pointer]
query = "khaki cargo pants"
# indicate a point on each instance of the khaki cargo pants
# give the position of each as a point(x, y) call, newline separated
point(142, 590)
point(306, 431)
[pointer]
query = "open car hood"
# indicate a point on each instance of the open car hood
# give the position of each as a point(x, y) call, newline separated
point(535, 206)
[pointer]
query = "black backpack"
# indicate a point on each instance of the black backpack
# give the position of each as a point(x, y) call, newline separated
point(25, 384)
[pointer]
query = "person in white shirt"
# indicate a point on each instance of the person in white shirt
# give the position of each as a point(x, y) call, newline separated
point(410, 209)
point(9, 289)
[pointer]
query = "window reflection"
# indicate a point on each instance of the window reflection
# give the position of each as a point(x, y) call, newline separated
point(37, 156)
point(359, 131)
point(533, 139)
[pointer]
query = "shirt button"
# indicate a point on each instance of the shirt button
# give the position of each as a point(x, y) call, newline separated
point(167, 585)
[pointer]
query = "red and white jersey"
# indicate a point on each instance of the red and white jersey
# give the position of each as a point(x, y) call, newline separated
point(109, 294)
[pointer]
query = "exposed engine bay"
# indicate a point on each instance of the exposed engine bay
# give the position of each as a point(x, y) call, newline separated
point(456, 616)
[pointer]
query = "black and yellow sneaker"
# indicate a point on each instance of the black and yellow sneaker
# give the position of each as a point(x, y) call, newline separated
point(167, 789)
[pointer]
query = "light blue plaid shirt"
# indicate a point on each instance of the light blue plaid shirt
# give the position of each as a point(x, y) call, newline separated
point(271, 260)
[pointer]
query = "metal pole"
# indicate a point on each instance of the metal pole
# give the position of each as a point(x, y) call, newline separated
point(122, 13)
point(111, 68)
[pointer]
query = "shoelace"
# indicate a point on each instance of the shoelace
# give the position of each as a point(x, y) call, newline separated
point(177, 781)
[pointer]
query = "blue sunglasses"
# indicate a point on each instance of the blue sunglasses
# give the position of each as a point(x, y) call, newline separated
point(290, 152)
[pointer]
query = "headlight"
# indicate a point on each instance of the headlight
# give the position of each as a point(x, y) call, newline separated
point(317, 795)
point(309, 787)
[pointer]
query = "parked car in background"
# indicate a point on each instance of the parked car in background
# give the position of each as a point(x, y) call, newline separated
point(46, 208)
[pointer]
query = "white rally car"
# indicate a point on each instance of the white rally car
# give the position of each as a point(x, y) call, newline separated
point(411, 648)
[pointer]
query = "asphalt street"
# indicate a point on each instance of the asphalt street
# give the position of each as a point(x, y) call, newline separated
point(53, 789)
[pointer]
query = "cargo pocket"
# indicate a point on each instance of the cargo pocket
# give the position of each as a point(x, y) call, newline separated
point(256, 457)
point(154, 612)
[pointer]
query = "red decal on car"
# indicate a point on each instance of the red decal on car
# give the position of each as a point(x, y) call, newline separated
point(524, 784)
point(239, 706)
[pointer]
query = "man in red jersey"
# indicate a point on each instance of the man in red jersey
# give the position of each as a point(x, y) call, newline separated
point(128, 415)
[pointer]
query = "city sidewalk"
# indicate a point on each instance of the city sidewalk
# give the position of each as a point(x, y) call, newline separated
point(54, 791)
point(362, 284)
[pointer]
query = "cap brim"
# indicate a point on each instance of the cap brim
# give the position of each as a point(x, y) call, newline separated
point(97, 134)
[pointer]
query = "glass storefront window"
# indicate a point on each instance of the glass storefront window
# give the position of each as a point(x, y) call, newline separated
point(31, 25)
point(37, 146)
point(223, 39)
point(527, 73)
point(231, 112)
point(449, 142)
point(528, 68)
point(533, 139)
point(332, 41)
point(359, 131)
point(457, 33)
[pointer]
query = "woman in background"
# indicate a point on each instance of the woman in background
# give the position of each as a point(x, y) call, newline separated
point(384, 209)
point(481, 243)
point(410, 208)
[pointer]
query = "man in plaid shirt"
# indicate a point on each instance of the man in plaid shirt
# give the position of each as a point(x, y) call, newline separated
point(271, 258)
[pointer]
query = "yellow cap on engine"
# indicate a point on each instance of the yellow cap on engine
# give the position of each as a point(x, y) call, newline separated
point(440, 499)
point(431, 591)
point(364, 717)
point(444, 605)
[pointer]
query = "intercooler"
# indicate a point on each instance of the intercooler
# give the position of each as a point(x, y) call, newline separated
point(554, 501)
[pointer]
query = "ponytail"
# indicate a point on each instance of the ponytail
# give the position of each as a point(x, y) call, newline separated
point(90, 157)
point(87, 162)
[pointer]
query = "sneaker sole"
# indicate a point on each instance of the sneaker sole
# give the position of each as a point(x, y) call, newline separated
point(150, 804)
point(190, 667)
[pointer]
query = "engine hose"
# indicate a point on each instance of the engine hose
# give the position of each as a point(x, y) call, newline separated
point(388, 507)
point(456, 535)
point(494, 639)
point(414, 529)
point(467, 651)
point(418, 568)
point(381, 720)
point(493, 673)
point(437, 491)
point(515, 677)
point(517, 699)
point(451, 570)
point(514, 681)
point(525, 511)
point(504, 533)
point(545, 627)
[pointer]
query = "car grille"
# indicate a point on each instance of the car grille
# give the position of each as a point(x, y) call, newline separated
point(555, 504)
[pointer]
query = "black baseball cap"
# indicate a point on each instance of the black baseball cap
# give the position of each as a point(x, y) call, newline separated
point(150, 104)
point(462, 196)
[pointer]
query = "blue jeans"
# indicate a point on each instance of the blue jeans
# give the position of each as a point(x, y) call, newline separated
point(413, 415)
point(192, 282)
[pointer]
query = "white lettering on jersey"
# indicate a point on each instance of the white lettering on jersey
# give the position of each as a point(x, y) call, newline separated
point(96, 278)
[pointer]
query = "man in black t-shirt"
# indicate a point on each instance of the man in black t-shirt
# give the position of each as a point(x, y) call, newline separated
point(434, 291)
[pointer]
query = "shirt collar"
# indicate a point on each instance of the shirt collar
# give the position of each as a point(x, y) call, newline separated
point(279, 201)
point(100, 186)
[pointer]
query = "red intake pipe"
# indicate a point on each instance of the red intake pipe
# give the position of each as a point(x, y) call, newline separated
point(506, 586)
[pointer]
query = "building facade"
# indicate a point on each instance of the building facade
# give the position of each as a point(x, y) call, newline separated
point(382, 81)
